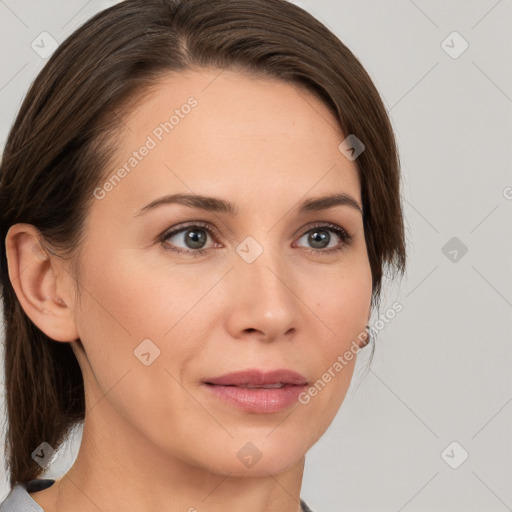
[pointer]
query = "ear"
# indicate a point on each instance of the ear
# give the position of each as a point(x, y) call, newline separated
point(41, 283)
point(364, 336)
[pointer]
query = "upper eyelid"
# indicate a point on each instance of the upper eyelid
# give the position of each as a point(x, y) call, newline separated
point(213, 230)
point(200, 224)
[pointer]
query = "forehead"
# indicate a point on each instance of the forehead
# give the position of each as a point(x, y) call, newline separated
point(213, 131)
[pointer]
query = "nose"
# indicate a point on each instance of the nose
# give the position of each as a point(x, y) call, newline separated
point(263, 302)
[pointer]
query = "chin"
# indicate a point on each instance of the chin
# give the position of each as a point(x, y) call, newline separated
point(258, 457)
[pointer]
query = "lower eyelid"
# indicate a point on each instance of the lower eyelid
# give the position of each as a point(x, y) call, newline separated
point(340, 232)
point(345, 240)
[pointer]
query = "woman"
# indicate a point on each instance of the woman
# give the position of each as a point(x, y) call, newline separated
point(199, 202)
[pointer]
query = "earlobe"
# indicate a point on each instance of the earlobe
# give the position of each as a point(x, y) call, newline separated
point(33, 272)
point(365, 338)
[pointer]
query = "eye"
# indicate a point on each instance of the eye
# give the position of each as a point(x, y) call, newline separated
point(196, 236)
point(319, 238)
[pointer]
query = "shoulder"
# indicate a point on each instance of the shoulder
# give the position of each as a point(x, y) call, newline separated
point(19, 499)
point(304, 507)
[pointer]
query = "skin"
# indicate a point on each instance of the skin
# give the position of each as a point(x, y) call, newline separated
point(153, 438)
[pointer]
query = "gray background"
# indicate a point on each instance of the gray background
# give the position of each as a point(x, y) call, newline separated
point(441, 372)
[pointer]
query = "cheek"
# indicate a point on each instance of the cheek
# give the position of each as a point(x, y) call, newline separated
point(130, 316)
point(342, 303)
point(131, 308)
point(341, 310)
point(130, 297)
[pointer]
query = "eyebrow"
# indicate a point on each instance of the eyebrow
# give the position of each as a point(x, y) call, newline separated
point(213, 204)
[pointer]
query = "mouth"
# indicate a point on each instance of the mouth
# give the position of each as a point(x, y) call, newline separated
point(277, 385)
point(257, 391)
point(255, 378)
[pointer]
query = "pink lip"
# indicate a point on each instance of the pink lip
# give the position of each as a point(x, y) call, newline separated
point(229, 389)
point(258, 378)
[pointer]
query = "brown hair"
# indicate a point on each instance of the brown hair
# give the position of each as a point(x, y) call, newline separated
point(64, 134)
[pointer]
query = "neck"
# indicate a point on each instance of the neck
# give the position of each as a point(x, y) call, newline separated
point(106, 475)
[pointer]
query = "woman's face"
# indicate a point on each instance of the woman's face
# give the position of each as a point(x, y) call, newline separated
point(158, 318)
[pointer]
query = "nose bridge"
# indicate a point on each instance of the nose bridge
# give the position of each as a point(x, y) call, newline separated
point(265, 288)
point(262, 261)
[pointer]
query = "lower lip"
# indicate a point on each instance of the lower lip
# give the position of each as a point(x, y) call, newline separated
point(258, 399)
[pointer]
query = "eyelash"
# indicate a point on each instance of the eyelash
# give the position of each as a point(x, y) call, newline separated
point(342, 233)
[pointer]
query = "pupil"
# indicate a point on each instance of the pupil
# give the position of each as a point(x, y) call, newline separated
point(196, 238)
point(319, 237)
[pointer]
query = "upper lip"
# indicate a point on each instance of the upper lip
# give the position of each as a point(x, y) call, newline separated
point(258, 378)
